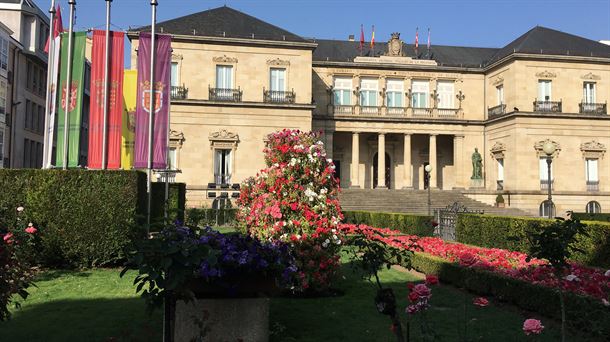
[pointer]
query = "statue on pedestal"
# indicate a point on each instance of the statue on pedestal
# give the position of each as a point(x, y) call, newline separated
point(477, 165)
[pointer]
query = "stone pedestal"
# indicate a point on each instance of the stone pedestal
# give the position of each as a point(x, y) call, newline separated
point(476, 183)
point(235, 319)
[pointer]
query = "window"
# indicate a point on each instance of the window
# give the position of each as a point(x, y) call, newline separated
point(544, 90)
point(343, 91)
point(224, 76)
point(446, 94)
point(500, 94)
point(547, 208)
point(3, 54)
point(368, 92)
point(1, 147)
point(394, 93)
point(3, 92)
point(172, 159)
point(277, 79)
point(419, 93)
point(544, 169)
point(222, 166)
point(29, 75)
point(175, 81)
point(591, 169)
point(28, 114)
point(500, 180)
point(41, 120)
point(26, 153)
point(593, 207)
point(588, 92)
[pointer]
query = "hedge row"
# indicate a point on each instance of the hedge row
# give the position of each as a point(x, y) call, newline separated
point(581, 311)
point(177, 201)
point(420, 225)
point(591, 217)
point(85, 217)
point(211, 217)
point(510, 233)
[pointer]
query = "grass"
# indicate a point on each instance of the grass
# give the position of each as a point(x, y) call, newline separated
point(97, 305)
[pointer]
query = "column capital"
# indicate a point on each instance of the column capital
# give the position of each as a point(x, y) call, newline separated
point(381, 133)
point(433, 134)
point(458, 136)
point(356, 133)
point(408, 133)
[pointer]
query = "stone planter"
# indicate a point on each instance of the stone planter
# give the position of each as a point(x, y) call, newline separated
point(220, 320)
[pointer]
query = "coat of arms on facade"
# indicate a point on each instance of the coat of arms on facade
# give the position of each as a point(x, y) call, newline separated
point(395, 45)
point(146, 95)
point(73, 92)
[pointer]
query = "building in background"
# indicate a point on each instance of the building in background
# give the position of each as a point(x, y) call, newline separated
point(393, 108)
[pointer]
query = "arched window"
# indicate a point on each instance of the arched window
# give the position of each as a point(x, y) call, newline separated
point(593, 207)
point(546, 207)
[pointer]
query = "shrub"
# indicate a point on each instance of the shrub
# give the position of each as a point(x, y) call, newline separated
point(177, 199)
point(211, 217)
point(86, 217)
point(420, 225)
point(591, 217)
point(510, 233)
point(581, 311)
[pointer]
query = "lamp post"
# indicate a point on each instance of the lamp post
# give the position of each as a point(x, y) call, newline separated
point(549, 149)
point(428, 170)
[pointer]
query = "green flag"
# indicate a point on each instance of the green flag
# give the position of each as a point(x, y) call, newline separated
point(75, 105)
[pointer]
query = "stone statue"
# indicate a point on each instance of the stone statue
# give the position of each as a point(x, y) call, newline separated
point(477, 165)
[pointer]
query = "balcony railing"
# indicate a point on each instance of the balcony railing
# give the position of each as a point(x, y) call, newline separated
point(225, 94)
point(276, 96)
point(179, 93)
point(593, 108)
point(370, 110)
point(396, 111)
point(447, 112)
point(222, 179)
point(547, 106)
point(497, 110)
point(500, 185)
point(427, 112)
point(344, 109)
point(592, 185)
point(544, 184)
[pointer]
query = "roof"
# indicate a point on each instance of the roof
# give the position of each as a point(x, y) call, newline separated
point(542, 40)
point(346, 51)
point(224, 22)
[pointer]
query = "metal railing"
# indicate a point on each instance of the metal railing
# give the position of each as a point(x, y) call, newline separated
point(343, 109)
point(179, 93)
point(497, 110)
point(225, 94)
point(396, 111)
point(544, 184)
point(547, 106)
point(447, 112)
point(222, 179)
point(593, 108)
point(422, 112)
point(500, 185)
point(592, 185)
point(276, 96)
point(375, 110)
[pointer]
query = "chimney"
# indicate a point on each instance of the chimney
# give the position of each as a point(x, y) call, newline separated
point(351, 38)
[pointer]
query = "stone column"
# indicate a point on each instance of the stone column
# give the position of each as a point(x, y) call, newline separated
point(381, 162)
point(328, 135)
point(458, 160)
point(355, 181)
point(407, 182)
point(432, 161)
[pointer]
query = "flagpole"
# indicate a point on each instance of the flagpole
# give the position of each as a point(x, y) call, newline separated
point(49, 144)
point(151, 125)
point(68, 98)
point(106, 89)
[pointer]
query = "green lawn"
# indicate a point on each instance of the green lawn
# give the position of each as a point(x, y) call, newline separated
point(97, 305)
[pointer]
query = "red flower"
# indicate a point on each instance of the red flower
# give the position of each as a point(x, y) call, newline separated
point(413, 297)
point(410, 286)
point(431, 279)
point(422, 291)
point(467, 259)
point(8, 238)
point(480, 301)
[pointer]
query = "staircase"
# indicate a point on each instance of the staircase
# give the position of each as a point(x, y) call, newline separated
point(415, 201)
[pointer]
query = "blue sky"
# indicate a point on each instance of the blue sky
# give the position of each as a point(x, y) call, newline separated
point(484, 23)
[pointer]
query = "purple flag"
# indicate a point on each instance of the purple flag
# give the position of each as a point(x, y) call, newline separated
point(162, 91)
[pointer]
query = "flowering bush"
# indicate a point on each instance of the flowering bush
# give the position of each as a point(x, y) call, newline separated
point(17, 251)
point(294, 199)
point(532, 326)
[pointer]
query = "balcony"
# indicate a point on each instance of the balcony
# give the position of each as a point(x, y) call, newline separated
point(496, 111)
point(544, 184)
point(593, 186)
point(547, 106)
point(370, 110)
point(593, 108)
point(343, 109)
point(179, 93)
point(422, 112)
point(225, 94)
point(447, 112)
point(396, 111)
point(276, 96)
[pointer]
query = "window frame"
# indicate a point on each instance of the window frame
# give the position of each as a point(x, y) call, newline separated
point(369, 89)
point(284, 79)
point(590, 162)
point(500, 94)
point(542, 90)
point(589, 93)
point(174, 81)
point(446, 97)
point(395, 93)
point(225, 154)
point(230, 78)
point(424, 93)
point(342, 91)
point(597, 208)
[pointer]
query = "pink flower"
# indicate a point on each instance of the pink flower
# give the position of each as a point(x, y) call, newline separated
point(605, 302)
point(467, 259)
point(422, 291)
point(532, 326)
point(412, 309)
point(431, 279)
point(607, 274)
point(8, 238)
point(31, 230)
point(480, 301)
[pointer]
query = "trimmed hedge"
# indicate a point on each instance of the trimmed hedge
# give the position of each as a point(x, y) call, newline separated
point(581, 311)
point(85, 217)
point(591, 217)
point(420, 225)
point(510, 233)
point(177, 201)
point(211, 217)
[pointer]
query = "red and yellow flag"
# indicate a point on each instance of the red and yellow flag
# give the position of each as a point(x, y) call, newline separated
point(373, 38)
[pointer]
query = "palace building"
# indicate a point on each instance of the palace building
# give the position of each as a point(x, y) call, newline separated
point(482, 118)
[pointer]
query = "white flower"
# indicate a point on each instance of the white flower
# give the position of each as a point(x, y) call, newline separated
point(571, 277)
point(20, 209)
point(607, 274)
point(605, 302)
point(30, 224)
point(329, 160)
point(323, 191)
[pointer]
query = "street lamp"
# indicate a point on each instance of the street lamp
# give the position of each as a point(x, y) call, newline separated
point(549, 149)
point(428, 170)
